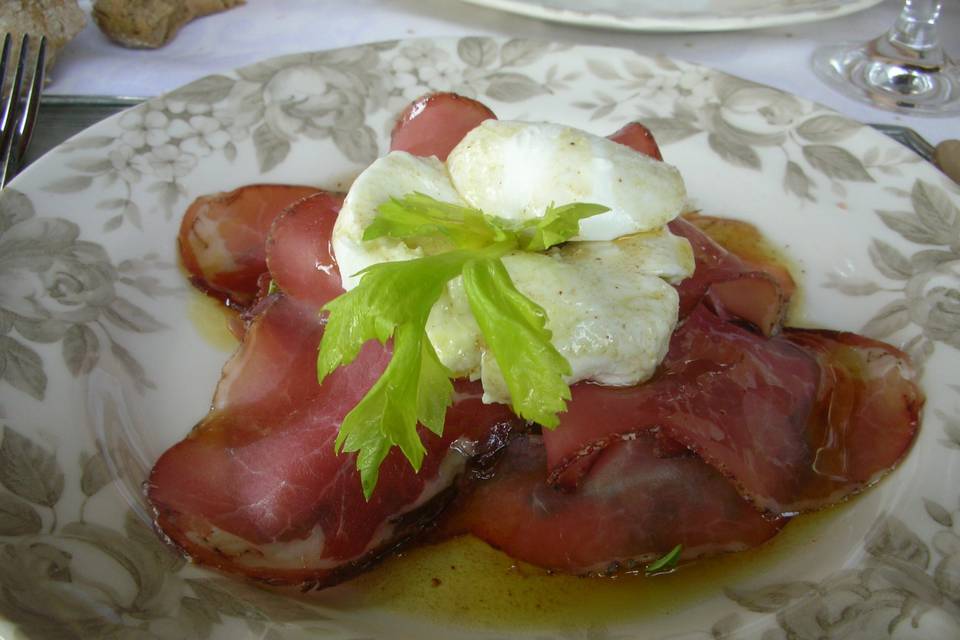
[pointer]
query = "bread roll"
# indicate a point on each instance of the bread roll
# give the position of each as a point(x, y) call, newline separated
point(148, 24)
point(59, 20)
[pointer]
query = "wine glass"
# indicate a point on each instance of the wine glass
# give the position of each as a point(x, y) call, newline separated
point(903, 70)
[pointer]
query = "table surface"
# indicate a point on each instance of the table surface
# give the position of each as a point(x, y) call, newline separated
point(780, 57)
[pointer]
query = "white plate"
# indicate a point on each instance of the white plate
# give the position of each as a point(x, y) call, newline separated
point(679, 15)
point(104, 363)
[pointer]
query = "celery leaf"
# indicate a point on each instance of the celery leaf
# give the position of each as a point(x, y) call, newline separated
point(389, 294)
point(393, 301)
point(558, 224)
point(514, 327)
point(419, 215)
point(665, 563)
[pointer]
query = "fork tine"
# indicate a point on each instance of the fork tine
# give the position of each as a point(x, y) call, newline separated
point(10, 112)
point(5, 111)
point(25, 129)
point(15, 131)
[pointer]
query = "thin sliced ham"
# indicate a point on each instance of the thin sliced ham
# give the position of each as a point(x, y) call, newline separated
point(221, 238)
point(256, 487)
point(756, 292)
point(298, 253)
point(639, 138)
point(866, 414)
point(738, 400)
point(633, 507)
point(745, 241)
point(768, 413)
point(433, 124)
point(731, 286)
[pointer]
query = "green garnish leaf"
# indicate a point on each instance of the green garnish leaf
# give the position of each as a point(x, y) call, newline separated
point(383, 417)
point(389, 295)
point(515, 329)
point(558, 224)
point(419, 215)
point(665, 563)
point(394, 299)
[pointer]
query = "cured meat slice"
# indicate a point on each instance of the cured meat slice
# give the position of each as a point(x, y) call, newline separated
point(866, 414)
point(299, 255)
point(735, 287)
point(221, 238)
point(273, 500)
point(738, 400)
point(781, 417)
point(639, 138)
point(745, 241)
point(433, 124)
point(732, 287)
point(632, 508)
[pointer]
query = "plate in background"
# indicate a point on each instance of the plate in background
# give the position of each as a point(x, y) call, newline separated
point(679, 15)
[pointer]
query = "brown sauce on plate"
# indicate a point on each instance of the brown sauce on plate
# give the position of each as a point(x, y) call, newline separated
point(465, 582)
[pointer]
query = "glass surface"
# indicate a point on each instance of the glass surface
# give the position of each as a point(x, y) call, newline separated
point(903, 70)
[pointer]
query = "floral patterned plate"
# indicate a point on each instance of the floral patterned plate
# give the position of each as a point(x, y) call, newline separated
point(106, 357)
point(680, 15)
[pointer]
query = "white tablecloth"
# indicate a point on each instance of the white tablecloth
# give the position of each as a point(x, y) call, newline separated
point(780, 57)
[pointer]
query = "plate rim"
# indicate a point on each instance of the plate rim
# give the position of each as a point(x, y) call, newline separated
point(679, 23)
point(37, 168)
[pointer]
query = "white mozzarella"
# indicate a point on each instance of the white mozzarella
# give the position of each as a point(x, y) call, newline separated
point(610, 310)
point(655, 253)
point(515, 170)
point(612, 328)
point(454, 332)
point(394, 175)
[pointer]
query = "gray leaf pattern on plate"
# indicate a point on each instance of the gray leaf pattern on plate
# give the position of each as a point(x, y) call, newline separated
point(712, 103)
point(48, 586)
point(895, 594)
point(318, 96)
point(927, 281)
point(59, 288)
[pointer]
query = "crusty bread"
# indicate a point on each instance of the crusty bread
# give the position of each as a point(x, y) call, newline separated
point(59, 20)
point(148, 24)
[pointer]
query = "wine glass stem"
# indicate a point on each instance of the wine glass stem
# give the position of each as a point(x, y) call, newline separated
point(914, 35)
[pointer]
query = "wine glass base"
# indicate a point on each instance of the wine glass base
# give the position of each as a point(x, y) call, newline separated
point(887, 83)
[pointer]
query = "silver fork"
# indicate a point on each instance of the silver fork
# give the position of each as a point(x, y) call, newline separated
point(20, 103)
